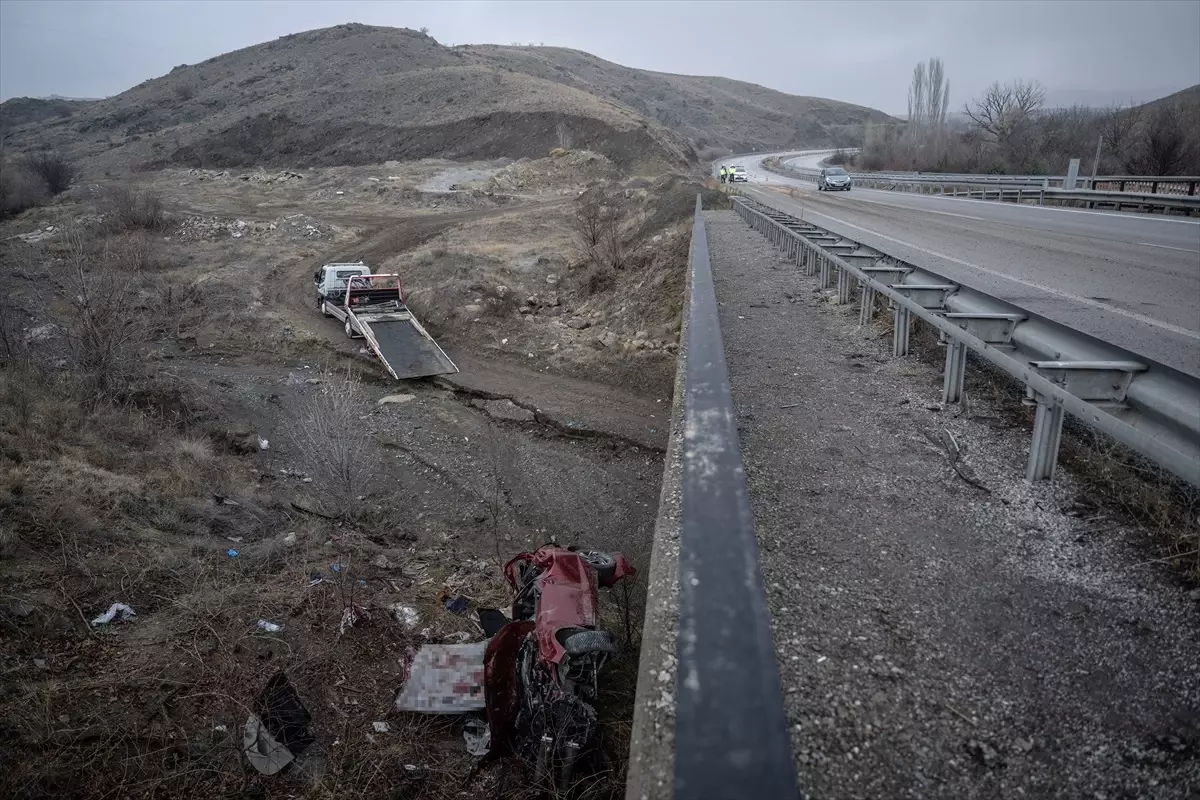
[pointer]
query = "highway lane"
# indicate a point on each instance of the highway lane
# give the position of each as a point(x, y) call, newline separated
point(1130, 279)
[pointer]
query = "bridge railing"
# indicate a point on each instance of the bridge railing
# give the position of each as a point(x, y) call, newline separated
point(709, 721)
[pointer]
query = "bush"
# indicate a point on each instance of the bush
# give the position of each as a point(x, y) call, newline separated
point(126, 209)
point(20, 189)
point(55, 170)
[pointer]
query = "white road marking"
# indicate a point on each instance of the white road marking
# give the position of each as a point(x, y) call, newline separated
point(1040, 287)
point(1168, 247)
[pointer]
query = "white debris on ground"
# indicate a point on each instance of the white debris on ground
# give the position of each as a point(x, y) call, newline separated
point(194, 229)
point(301, 226)
point(258, 176)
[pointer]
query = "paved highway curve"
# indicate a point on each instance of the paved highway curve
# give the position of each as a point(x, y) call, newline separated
point(1129, 279)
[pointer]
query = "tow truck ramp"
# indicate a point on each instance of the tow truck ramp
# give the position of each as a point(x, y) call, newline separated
point(373, 307)
point(403, 345)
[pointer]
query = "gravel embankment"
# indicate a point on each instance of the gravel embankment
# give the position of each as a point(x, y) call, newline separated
point(936, 639)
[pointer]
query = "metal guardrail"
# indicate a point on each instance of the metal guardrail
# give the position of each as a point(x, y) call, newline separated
point(1008, 190)
point(1149, 407)
point(1146, 184)
point(731, 737)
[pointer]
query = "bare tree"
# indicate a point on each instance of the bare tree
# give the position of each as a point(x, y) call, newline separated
point(928, 99)
point(1164, 147)
point(1119, 128)
point(1006, 115)
point(336, 449)
point(1005, 110)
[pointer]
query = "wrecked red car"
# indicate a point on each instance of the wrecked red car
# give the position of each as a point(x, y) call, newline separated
point(541, 669)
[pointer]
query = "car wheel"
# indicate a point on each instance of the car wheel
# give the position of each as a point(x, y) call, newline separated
point(349, 330)
point(323, 306)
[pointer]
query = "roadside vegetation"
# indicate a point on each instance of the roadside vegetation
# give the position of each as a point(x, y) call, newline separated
point(1008, 130)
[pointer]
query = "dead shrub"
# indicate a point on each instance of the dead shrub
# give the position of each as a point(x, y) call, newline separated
point(54, 170)
point(597, 227)
point(335, 448)
point(20, 189)
point(127, 208)
point(105, 326)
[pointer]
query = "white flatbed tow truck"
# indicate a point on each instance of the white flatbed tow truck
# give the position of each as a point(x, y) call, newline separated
point(372, 307)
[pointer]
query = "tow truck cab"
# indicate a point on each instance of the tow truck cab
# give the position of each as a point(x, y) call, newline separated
point(332, 279)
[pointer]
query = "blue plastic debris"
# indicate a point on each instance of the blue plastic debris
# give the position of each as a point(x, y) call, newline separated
point(335, 567)
point(231, 553)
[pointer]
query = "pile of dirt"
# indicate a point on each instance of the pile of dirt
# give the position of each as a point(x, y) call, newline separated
point(563, 171)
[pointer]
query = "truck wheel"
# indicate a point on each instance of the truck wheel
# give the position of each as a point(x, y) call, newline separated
point(324, 308)
point(349, 330)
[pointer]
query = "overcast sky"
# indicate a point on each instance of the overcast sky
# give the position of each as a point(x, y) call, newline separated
point(862, 52)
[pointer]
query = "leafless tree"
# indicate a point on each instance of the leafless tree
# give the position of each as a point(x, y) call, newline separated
point(336, 449)
point(1119, 127)
point(928, 102)
point(1006, 110)
point(1164, 147)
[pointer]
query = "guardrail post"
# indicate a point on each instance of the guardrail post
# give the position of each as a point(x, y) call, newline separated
point(900, 327)
point(866, 307)
point(824, 272)
point(1047, 431)
point(956, 371)
point(844, 284)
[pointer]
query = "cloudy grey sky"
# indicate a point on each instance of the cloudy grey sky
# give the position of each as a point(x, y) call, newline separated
point(1097, 51)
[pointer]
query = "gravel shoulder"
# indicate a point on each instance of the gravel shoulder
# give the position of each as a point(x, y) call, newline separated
point(936, 639)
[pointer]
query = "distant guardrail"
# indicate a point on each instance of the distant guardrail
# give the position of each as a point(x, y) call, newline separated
point(1186, 185)
point(1010, 188)
point(1147, 406)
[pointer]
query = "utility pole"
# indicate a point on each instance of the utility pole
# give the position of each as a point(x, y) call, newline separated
point(1096, 163)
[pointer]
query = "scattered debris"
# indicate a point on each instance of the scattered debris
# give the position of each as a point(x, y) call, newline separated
point(381, 727)
point(407, 616)
point(492, 620)
point(231, 553)
point(277, 731)
point(263, 444)
point(351, 616)
point(477, 736)
point(444, 679)
point(290, 538)
point(126, 613)
point(455, 604)
point(269, 627)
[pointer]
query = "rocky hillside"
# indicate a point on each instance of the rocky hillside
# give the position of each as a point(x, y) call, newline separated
point(710, 112)
point(355, 94)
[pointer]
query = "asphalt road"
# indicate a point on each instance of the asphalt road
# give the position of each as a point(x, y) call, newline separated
point(1129, 279)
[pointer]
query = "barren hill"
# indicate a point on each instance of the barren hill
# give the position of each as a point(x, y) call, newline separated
point(355, 94)
point(710, 111)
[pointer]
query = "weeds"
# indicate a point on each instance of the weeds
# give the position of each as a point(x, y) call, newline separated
point(127, 208)
point(337, 451)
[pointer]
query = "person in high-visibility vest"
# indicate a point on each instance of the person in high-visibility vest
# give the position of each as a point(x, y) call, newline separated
point(723, 173)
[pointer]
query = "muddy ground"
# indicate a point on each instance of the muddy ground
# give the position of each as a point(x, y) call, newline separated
point(189, 492)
